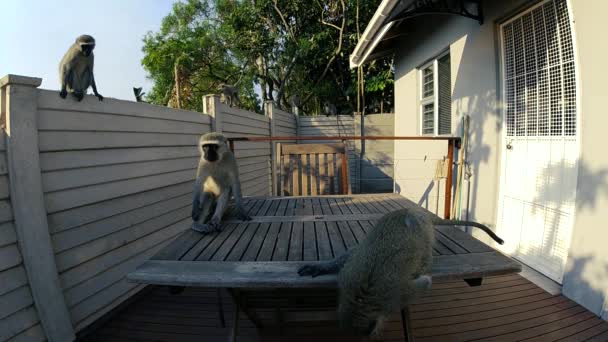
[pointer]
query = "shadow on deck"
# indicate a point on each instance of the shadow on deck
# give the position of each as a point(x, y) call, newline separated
point(505, 308)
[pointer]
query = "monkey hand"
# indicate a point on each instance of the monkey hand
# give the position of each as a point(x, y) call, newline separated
point(99, 96)
point(243, 216)
point(63, 93)
point(312, 270)
point(215, 224)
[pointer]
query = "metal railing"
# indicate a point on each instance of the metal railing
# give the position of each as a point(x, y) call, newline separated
point(453, 142)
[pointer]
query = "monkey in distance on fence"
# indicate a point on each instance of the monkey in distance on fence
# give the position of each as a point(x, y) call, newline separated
point(383, 274)
point(76, 69)
point(217, 179)
point(229, 95)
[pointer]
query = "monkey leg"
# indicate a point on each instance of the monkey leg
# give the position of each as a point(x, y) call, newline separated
point(220, 208)
point(202, 206)
point(328, 267)
point(78, 95)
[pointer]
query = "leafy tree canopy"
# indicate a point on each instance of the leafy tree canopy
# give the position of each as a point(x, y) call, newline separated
point(281, 48)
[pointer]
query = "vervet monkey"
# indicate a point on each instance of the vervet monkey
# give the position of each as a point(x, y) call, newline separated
point(139, 95)
point(329, 109)
point(382, 274)
point(217, 178)
point(76, 69)
point(229, 95)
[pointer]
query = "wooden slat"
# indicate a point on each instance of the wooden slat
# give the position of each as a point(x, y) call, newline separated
point(312, 148)
point(323, 244)
point(310, 243)
point(330, 173)
point(295, 177)
point(305, 174)
point(296, 243)
point(269, 243)
point(313, 174)
point(285, 175)
point(337, 244)
point(322, 173)
point(282, 246)
point(284, 274)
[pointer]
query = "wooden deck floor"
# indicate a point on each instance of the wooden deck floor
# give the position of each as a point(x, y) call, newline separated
point(506, 308)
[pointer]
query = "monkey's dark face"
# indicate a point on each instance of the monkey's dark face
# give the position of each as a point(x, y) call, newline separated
point(210, 152)
point(86, 49)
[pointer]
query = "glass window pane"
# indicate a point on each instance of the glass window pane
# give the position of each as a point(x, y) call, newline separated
point(428, 118)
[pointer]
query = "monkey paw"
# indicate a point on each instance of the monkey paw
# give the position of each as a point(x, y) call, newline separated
point(99, 97)
point(63, 93)
point(215, 224)
point(244, 217)
point(202, 227)
point(311, 270)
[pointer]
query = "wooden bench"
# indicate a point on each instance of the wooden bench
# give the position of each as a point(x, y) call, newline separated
point(312, 169)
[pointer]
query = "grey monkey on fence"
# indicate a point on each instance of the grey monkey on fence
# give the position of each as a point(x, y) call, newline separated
point(76, 69)
point(229, 95)
point(139, 94)
point(217, 179)
point(383, 274)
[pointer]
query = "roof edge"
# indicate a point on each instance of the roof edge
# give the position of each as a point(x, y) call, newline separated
point(370, 37)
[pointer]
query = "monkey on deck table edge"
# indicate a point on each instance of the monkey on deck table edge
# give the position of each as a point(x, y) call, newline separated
point(383, 274)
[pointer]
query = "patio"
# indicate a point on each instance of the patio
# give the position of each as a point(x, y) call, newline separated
point(503, 308)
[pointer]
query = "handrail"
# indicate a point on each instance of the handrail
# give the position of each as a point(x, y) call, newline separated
point(452, 142)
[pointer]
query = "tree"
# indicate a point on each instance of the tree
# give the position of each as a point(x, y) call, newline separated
point(280, 47)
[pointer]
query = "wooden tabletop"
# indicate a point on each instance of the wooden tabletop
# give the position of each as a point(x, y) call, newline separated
point(286, 232)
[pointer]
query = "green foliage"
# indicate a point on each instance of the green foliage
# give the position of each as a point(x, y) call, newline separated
point(280, 48)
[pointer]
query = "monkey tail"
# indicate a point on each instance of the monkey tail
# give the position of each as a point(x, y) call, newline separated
point(473, 224)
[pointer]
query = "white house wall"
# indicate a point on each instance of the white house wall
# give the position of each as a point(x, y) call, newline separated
point(586, 279)
point(475, 85)
point(474, 76)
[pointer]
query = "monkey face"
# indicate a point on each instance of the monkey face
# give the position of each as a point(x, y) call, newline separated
point(86, 49)
point(210, 152)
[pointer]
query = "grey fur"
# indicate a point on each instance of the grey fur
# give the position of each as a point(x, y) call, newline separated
point(216, 181)
point(229, 95)
point(76, 69)
point(382, 274)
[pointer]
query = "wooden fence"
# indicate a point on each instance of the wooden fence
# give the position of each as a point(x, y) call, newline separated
point(96, 188)
point(89, 190)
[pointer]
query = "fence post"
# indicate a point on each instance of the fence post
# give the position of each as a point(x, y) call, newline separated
point(269, 112)
point(211, 103)
point(20, 123)
point(359, 147)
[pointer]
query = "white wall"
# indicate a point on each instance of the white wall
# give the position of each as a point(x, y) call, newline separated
point(474, 92)
point(586, 279)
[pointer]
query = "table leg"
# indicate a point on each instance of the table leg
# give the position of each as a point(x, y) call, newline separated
point(405, 321)
point(220, 308)
point(235, 322)
point(237, 298)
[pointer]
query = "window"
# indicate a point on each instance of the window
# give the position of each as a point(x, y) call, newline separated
point(435, 97)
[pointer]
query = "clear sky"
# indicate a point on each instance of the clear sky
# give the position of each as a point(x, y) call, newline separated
point(34, 35)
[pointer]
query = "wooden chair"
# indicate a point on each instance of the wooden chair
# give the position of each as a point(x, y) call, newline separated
point(312, 169)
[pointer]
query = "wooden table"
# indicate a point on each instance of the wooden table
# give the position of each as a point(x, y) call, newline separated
point(286, 232)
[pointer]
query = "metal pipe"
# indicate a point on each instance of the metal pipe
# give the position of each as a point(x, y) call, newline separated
point(448, 182)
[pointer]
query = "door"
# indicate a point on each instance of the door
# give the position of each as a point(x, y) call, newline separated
point(540, 145)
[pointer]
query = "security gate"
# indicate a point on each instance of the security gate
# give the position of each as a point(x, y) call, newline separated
point(540, 151)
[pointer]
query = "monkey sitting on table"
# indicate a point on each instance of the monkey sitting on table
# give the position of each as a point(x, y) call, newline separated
point(217, 178)
point(76, 69)
point(384, 272)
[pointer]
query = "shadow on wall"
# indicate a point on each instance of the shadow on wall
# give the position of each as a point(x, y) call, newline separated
point(586, 274)
point(377, 160)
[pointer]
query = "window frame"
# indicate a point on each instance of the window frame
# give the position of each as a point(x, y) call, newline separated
point(423, 101)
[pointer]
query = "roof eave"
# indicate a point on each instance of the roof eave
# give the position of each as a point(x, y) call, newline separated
point(373, 33)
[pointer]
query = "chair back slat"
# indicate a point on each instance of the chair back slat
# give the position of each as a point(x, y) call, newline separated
point(312, 169)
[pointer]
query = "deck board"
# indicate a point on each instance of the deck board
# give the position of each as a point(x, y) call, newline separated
point(534, 315)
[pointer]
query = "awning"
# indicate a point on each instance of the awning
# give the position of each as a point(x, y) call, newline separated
point(383, 28)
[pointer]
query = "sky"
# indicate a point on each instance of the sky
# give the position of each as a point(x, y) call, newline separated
point(35, 34)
